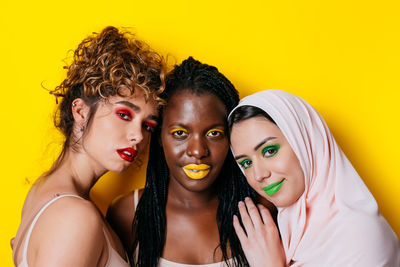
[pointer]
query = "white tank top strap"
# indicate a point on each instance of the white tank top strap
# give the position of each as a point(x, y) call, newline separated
point(166, 263)
point(28, 235)
point(135, 198)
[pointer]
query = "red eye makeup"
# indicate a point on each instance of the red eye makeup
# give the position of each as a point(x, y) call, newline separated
point(150, 125)
point(124, 114)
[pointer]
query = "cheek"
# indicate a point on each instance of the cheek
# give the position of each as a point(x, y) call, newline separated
point(172, 149)
point(255, 185)
point(219, 152)
point(298, 173)
point(101, 132)
point(282, 165)
point(146, 138)
point(252, 182)
point(111, 128)
point(286, 163)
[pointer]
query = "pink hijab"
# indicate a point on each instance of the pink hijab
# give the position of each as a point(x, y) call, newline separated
point(336, 221)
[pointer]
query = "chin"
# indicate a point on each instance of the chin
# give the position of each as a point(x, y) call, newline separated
point(197, 185)
point(119, 169)
point(283, 203)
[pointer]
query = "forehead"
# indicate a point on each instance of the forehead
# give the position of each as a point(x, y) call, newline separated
point(253, 130)
point(187, 107)
point(138, 98)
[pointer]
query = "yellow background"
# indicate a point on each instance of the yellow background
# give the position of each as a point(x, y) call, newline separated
point(341, 56)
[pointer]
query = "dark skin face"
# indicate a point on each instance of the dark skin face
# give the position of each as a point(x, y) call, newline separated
point(193, 132)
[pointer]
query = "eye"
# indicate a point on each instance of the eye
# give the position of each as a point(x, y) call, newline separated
point(215, 133)
point(179, 132)
point(270, 150)
point(246, 163)
point(124, 114)
point(149, 126)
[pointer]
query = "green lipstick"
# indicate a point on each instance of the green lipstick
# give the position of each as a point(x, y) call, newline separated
point(273, 188)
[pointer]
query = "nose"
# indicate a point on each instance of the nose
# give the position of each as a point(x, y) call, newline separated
point(197, 147)
point(135, 133)
point(261, 171)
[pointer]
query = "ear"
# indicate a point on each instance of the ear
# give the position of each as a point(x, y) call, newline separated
point(80, 111)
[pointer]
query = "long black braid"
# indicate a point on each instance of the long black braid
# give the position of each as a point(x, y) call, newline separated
point(150, 220)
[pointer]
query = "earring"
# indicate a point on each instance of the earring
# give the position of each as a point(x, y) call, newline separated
point(73, 104)
point(82, 128)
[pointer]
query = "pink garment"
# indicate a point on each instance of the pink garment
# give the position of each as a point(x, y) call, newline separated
point(336, 222)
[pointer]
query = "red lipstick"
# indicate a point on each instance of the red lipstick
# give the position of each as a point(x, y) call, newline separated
point(127, 154)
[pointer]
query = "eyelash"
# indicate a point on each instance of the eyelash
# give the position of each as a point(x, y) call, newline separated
point(247, 163)
point(218, 131)
point(243, 163)
point(274, 147)
point(182, 132)
point(124, 114)
point(149, 126)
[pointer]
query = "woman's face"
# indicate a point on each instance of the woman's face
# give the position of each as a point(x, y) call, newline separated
point(194, 140)
point(119, 131)
point(268, 161)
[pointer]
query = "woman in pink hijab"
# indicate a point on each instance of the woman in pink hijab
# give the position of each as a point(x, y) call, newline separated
point(326, 214)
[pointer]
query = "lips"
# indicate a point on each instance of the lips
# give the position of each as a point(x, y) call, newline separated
point(127, 154)
point(196, 171)
point(273, 188)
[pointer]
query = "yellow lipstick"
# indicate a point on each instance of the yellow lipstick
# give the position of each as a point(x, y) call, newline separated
point(196, 171)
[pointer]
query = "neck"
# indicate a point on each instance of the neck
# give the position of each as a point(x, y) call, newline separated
point(179, 195)
point(76, 172)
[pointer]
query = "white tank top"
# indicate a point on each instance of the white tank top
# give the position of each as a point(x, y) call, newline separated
point(114, 259)
point(166, 263)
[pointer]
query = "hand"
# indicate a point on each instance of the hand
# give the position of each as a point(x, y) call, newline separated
point(261, 245)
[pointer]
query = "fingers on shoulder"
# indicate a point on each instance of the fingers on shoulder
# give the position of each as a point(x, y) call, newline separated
point(266, 217)
point(238, 228)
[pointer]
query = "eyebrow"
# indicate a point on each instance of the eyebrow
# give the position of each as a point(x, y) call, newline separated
point(153, 117)
point(256, 147)
point(136, 108)
point(129, 104)
point(263, 142)
point(217, 125)
point(177, 125)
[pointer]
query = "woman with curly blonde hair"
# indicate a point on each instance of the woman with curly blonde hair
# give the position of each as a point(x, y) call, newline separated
point(109, 107)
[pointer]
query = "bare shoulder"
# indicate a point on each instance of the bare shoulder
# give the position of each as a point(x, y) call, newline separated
point(74, 209)
point(68, 233)
point(120, 216)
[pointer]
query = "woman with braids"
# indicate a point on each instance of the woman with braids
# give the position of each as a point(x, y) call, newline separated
point(184, 216)
point(109, 107)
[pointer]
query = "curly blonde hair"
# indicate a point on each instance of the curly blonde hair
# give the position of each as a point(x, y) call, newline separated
point(106, 64)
